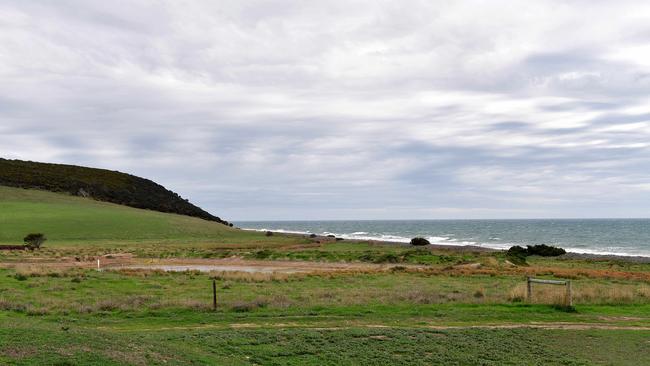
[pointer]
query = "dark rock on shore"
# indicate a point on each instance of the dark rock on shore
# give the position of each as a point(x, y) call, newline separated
point(419, 241)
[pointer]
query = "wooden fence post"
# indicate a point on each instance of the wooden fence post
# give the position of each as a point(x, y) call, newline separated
point(568, 298)
point(214, 295)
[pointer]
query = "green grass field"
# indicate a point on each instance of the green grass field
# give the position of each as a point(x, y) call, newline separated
point(69, 221)
point(438, 313)
point(33, 342)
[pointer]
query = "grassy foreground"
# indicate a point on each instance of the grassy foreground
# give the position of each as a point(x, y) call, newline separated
point(36, 343)
point(431, 307)
point(144, 317)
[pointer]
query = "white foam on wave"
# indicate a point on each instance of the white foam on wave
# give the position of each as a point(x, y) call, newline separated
point(279, 231)
point(436, 239)
point(380, 237)
point(448, 240)
point(607, 252)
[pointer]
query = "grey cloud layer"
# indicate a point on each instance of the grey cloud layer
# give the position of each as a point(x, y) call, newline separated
point(350, 109)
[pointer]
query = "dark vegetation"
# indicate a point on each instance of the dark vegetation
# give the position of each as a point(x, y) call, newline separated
point(419, 241)
point(412, 256)
point(12, 247)
point(517, 254)
point(34, 241)
point(99, 184)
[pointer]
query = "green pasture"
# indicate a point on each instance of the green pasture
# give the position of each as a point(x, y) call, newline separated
point(82, 317)
point(75, 221)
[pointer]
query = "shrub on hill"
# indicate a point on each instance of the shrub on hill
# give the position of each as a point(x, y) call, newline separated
point(419, 241)
point(99, 184)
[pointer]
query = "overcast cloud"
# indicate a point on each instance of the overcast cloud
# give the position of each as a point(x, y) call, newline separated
point(341, 109)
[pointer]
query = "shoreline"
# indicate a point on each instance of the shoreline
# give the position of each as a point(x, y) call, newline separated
point(465, 248)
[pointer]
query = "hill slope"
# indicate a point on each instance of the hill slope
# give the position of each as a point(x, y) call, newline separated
point(100, 184)
point(68, 219)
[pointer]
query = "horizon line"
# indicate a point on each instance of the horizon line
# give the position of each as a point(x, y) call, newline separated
point(458, 219)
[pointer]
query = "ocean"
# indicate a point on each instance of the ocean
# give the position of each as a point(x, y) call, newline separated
point(595, 236)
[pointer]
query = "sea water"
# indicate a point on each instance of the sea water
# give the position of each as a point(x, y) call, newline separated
point(595, 236)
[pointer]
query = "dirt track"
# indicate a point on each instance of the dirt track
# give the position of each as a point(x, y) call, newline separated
point(206, 265)
point(235, 264)
point(557, 326)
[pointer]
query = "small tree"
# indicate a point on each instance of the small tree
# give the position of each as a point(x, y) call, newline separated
point(34, 241)
point(419, 241)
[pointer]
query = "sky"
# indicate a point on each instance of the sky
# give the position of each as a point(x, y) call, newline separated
point(285, 110)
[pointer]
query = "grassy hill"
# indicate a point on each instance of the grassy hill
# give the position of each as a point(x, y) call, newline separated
point(99, 184)
point(69, 219)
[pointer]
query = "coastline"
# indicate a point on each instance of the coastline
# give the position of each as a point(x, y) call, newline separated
point(462, 248)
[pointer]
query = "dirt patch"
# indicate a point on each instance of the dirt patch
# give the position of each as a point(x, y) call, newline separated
point(253, 266)
point(380, 337)
point(558, 326)
point(235, 264)
point(619, 318)
point(18, 353)
point(468, 266)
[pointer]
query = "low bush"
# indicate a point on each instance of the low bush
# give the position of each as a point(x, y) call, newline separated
point(20, 277)
point(517, 254)
point(263, 254)
point(247, 306)
point(387, 258)
point(419, 241)
point(544, 250)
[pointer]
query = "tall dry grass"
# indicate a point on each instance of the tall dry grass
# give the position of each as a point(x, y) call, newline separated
point(34, 270)
point(583, 293)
